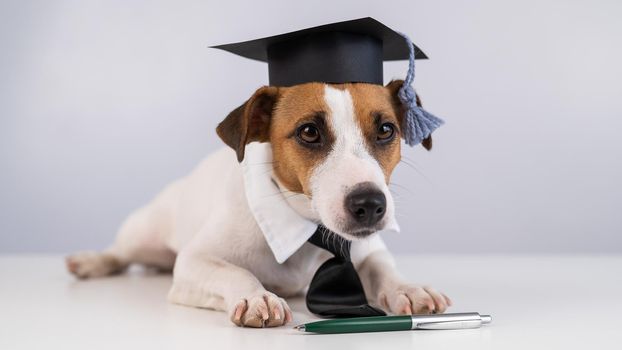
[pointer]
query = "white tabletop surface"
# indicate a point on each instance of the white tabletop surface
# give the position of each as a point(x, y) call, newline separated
point(537, 302)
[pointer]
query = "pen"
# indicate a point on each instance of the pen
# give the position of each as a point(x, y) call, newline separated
point(397, 323)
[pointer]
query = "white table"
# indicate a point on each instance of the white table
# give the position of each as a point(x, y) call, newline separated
point(544, 302)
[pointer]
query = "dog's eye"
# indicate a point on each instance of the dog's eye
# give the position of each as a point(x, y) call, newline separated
point(309, 133)
point(386, 132)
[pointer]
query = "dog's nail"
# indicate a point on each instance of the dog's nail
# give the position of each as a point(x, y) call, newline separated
point(277, 315)
point(265, 315)
point(238, 314)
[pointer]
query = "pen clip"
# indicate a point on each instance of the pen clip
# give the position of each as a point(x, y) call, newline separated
point(458, 324)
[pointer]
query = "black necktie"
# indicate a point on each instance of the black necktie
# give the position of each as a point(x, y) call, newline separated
point(336, 290)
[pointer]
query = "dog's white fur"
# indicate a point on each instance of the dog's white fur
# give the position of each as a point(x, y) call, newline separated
point(349, 163)
point(202, 226)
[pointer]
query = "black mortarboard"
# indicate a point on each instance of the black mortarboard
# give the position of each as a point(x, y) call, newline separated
point(343, 52)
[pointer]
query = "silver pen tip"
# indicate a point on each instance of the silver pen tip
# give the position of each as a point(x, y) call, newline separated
point(300, 327)
point(486, 319)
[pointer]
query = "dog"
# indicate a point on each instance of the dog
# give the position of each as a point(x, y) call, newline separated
point(330, 150)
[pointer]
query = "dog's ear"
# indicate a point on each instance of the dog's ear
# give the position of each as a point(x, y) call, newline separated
point(249, 122)
point(394, 87)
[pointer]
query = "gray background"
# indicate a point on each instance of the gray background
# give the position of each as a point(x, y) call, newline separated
point(104, 102)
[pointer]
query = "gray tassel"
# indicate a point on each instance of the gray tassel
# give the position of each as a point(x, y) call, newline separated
point(419, 123)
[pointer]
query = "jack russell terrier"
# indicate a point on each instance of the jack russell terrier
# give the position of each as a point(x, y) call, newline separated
point(320, 152)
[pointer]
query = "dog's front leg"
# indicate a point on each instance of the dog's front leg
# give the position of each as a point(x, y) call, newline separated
point(385, 287)
point(209, 282)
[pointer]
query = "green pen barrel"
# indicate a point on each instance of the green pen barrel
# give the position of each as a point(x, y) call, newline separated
point(361, 324)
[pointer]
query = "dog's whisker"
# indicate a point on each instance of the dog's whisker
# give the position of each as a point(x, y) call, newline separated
point(272, 168)
point(285, 193)
point(412, 165)
point(408, 190)
point(395, 194)
point(409, 159)
point(263, 163)
point(268, 171)
point(294, 195)
point(275, 194)
point(326, 235)
point(398, 185)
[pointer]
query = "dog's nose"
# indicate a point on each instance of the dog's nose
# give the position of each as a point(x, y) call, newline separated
point(366, 206)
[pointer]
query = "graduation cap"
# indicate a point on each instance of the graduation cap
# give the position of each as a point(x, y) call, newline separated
point(344, 52)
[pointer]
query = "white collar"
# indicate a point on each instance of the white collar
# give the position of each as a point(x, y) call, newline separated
point(267, 203)
point(284, 228)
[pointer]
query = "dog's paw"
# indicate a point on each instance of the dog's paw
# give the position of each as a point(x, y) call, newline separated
point(93, 264)
point(262, 310)
point(411, 299)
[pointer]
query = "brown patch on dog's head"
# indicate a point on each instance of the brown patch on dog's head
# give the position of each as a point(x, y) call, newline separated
point(298, 106)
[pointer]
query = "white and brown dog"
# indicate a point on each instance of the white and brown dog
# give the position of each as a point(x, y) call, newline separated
point(322, 153)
